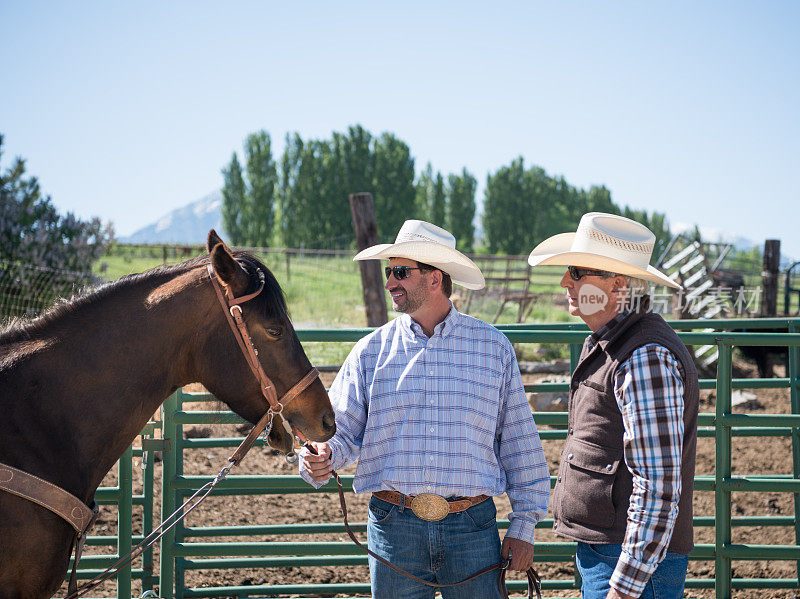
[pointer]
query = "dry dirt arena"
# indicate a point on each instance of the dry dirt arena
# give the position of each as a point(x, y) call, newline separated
point(750, 456)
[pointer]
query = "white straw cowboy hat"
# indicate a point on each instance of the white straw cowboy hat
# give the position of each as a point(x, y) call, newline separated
point(604, 242)
point(429, 244)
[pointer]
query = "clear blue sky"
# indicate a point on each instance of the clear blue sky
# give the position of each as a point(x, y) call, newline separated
point(128, 110)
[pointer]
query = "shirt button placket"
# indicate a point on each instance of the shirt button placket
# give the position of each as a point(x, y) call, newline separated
point(430, 441)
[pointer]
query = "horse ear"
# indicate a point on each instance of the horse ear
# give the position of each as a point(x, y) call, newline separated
point(228, 270)
point(213, 240)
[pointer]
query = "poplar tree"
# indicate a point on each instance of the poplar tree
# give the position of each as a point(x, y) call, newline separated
point(424, 191)
point(461, 209)
point(439, 202)
point(432, 196)
point(359, 160)
point(317, 177)
point(524, 207)
point(507, 221)
point(258, 206)
point(290, 166)
point(233, 200)
point(393, 188)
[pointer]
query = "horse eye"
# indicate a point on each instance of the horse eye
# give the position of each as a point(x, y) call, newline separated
point(275, 332)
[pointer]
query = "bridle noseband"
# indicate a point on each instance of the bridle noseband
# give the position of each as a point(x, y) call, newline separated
point(233, 313)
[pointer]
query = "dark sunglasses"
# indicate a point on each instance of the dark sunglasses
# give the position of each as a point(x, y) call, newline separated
point(576, 273)
point(399, 272)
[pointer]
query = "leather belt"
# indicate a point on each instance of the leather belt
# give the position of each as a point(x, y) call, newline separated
point(429, 506)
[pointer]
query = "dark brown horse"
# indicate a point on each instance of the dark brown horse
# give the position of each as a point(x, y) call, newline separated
point(78, 384)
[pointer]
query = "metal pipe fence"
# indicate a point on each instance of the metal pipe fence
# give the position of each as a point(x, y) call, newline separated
point(98, 553)
point(189, 548)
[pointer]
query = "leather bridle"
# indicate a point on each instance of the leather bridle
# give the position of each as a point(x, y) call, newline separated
point(231, 306)
point(233, 312)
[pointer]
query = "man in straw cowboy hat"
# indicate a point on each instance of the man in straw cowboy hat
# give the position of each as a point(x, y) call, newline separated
point(432, 405)
point(624, 485)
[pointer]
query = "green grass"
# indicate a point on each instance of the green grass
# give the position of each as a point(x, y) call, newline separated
point(122, 260)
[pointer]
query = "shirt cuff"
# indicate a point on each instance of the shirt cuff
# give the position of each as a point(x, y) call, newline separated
point(520, 528)
point(306, 476)
point(338, 455)
point(631, 576)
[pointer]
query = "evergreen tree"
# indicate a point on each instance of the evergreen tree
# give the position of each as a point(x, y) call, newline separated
point(461, 203)
point(42, 253)
point(233, 202)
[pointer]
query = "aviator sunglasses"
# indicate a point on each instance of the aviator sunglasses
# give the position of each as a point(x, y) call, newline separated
point(576, 273)
point(399, 272)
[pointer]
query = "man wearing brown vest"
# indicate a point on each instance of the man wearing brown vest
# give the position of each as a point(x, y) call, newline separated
point(625, 481)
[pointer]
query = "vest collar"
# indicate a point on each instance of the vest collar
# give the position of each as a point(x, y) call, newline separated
point(613, 330)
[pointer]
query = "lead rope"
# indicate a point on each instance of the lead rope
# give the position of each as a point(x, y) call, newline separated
point(153, 537)
point(265, 425)
point(178, 515)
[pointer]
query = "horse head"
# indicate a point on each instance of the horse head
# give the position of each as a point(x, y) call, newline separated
point(278, 350)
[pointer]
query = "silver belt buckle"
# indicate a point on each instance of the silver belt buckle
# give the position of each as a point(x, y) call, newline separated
point(430, 507)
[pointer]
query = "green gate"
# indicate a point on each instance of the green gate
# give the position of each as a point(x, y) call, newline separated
point(181, 550)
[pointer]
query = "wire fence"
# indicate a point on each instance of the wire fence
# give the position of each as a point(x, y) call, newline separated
point(27, 289)
point(322, 286)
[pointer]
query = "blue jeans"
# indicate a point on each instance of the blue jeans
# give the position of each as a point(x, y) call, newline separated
point(596, 563)
point(444, 552)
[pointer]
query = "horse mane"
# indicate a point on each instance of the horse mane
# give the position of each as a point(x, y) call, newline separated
point(271, 299)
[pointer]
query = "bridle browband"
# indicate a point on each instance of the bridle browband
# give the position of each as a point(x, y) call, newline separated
point(233, 313)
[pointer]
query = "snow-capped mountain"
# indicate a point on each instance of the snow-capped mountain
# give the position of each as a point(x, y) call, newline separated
point(189, 224)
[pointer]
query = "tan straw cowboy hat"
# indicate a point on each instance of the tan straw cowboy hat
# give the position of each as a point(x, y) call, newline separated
point(429, 244)
point(604, 242)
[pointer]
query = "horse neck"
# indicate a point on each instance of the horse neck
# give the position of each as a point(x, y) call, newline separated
point(120, 358)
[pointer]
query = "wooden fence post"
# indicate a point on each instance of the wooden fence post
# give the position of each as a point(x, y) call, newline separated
point(365, 226)
point(769, 277)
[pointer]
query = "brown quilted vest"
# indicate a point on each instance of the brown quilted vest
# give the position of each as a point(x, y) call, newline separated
point(593, 487)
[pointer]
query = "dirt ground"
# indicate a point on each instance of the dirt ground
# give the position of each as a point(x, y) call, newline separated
point(750, 456)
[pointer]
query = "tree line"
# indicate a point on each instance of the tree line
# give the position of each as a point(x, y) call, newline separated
point(301, 200)
point(523, 207)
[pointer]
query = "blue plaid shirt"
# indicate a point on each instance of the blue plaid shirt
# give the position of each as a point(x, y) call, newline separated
point(649, 390)
point(445, 415)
